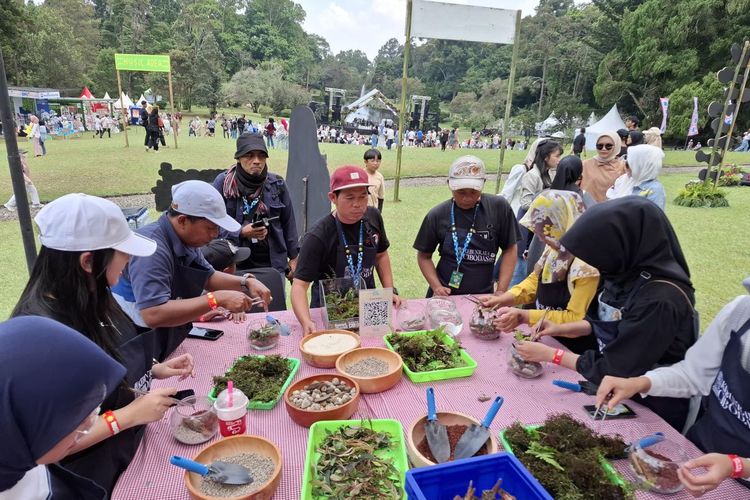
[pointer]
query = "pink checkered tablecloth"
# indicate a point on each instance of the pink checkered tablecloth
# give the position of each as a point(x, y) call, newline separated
point(151, 477)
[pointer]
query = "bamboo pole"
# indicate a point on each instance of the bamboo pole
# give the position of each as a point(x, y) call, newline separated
point(736, 112)
point(509, 100)
point(124, 113)
point(402, 109)
point(171, 105)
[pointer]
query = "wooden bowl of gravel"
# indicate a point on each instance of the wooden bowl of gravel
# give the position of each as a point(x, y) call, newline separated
point(322, 349)
point(375, 369)
point(327, 396)
point(259, 455)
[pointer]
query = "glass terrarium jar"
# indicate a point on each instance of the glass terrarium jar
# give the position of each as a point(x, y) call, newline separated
point(263, 335)
point(524, 369)
point(194, 421)
point(482, 323)
point(443, 312)
point(411, 317)
point(656, 466)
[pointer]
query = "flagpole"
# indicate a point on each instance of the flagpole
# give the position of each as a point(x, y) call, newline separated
point(402, 109)
point(509, 100)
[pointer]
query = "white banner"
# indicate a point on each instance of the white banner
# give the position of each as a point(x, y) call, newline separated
point(469, 23)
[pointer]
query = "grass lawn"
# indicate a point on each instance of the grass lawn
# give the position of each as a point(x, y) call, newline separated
point(715, 241)
point(106, 167)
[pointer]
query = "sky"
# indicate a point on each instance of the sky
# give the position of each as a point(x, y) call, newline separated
point(367, 24)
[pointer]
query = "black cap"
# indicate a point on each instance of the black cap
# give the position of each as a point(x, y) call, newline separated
point(634, 119)
point(221, 254)
point(250, 142)
point(623, 133)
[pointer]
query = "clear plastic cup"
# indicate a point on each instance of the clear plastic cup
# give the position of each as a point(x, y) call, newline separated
point(232, 419)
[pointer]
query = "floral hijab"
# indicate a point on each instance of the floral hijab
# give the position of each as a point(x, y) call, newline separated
point(550, 216)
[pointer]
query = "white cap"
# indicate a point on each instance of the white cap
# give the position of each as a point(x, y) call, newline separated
point(466, 172)
point(78, 222)
point(201, 199)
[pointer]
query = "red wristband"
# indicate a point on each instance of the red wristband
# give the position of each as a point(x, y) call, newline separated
point(557, 359)
point(111, 420)
point(212, 301)
point(738, 467)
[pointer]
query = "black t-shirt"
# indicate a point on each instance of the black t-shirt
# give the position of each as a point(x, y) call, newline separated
point(319, 251)
point(579, 143)
point(495, 226)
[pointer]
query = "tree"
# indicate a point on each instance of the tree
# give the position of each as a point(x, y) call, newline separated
point(264, 86)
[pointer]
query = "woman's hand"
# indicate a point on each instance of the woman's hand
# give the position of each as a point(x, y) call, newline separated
point(181, 365)
point(534, 351)
point(510, 319)
point(718, 468)
point(548, 328)
point(150, 407)
point(612, 390)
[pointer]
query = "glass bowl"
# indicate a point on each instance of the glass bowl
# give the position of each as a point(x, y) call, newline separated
point(194, 423)
point(411, 317)
point(443, 312)
point(482, 323)
point(656, 467)
point(524, 369)
point(263, 336)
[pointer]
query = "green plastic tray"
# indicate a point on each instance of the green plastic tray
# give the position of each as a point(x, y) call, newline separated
point(609, 470)
point(318, 432)
point(418, 377)
point(261, 405)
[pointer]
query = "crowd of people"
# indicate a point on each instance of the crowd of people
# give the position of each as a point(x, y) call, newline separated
point(583, 249)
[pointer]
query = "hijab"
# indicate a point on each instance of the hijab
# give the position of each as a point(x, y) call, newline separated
point(652, 136)
point(569, 171)
point(625, 237)
point(636, 138)
point(52, 379)
point(606, 156)
point(601, 171)
point(550, 216)
point(531, 155)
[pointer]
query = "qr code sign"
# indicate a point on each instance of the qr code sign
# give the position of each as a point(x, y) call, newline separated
point(375, 313)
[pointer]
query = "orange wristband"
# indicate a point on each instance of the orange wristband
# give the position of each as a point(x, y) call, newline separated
point(738, 467)
point(111, 420)
point(212, 301)
point(557, 359)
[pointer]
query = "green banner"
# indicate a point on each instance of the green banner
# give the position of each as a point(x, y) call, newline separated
point(142, 62)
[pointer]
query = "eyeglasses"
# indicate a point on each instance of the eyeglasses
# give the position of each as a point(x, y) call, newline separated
point(608, 147)
point(88, 424)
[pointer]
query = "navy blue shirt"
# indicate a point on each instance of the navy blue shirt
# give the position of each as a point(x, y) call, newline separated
point(148, 281)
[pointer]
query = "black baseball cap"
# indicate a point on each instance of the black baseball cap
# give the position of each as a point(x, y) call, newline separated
point(250, 142)
point(222, 253)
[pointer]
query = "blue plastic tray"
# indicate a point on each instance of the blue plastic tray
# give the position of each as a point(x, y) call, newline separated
point(445, 481)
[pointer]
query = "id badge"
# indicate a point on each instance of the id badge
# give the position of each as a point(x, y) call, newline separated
point(456, 279)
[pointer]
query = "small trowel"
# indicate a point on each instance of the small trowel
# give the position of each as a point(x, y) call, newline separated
point(220, 472)
point(476, 435)
point(437, 434)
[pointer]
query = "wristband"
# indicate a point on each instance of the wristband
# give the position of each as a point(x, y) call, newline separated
point(111, 420)
point(557, 359)
point(738, 467)
point(212, 300)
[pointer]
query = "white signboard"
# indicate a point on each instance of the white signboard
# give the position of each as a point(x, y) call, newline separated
point(469, 23)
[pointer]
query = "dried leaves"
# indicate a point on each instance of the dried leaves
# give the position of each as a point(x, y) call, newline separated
point(351, 467)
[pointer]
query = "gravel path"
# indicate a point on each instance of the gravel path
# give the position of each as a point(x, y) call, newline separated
point(147, 200)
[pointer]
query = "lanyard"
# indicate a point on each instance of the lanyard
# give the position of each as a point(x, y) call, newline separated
point(354, 272)
point(461, 252)
point(248, 210)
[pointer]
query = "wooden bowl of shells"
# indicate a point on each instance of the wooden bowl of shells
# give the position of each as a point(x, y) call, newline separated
point(259, 455)
point(375, 369)
point(322, 349)
point(457, 423)
point(322, 397)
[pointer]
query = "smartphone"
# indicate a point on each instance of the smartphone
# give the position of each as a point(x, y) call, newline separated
point(182, 395)
point(619, 411)
point(205, 333)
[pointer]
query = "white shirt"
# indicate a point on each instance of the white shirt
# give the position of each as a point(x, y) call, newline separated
point(34, 485)
point(696, 373)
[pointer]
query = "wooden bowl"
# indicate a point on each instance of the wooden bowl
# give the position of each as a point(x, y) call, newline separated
point(416, 433)
point(231, 446)
point(369, 385)
point(306, 418)
point(324, 360)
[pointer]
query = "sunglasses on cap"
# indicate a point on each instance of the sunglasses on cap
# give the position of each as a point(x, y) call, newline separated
point(608, 147)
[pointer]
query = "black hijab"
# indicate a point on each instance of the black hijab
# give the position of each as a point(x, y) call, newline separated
point(624, 237)
point(52, 378)
point(569, 171)
point(636, 138)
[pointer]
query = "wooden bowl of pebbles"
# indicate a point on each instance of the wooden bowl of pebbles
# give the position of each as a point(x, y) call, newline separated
point(322, 349)
point(375, 369)
point(456, 423)
point(259, 455)
point(322, 397)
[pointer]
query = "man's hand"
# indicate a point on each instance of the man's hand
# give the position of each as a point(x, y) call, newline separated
point(250, 232)
point(307, 328)
point(441, 291)
point(234, 301)
point(259, 290)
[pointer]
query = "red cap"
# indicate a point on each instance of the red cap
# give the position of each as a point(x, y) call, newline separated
point(349, 176)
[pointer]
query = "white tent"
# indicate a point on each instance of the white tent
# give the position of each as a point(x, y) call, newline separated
point(610, 122)
point(141, 99)
point(106, 96)
point(126, 101)
point(542, 128)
